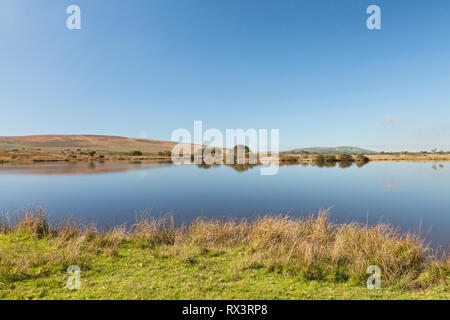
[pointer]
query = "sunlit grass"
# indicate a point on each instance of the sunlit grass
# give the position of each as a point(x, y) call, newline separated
point(274, 257)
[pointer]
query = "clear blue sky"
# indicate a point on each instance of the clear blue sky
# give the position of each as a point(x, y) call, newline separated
point(309, 68)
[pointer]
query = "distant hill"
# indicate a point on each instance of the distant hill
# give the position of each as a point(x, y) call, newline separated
point(120, 144)
point(335, 150)
point(84, 142)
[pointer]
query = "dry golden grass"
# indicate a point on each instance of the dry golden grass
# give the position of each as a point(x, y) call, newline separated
point(373, 157)
point(410, 157)
point(35, 156)
point(311, 247)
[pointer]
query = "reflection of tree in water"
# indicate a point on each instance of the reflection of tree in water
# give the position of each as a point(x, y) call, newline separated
point(281, 164)
point(435, 166)
point(345, 164)
point(246, 167)
point(342, 164)
point(324, 164)
point(241, 167)
point(304, 163)
point(92, 165)
point(237, 167)
point(207, 166)
point(360, 164)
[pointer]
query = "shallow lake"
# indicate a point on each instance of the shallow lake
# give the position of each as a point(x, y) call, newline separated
point(410, 195)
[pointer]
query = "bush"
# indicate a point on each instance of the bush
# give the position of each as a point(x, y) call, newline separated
point(240, 147)
point(361, 158)
point(330, 158)
point(325, 159)
point(345, 157)
point(91, 153)
point(289, 159)
point(135, 153)
point(165, 153)
point(319, 158)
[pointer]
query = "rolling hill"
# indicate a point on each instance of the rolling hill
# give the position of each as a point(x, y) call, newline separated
point(84, 142)
point(333, 150)
point(122, 144)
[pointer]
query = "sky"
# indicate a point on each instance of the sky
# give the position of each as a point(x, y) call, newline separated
point(311, 69)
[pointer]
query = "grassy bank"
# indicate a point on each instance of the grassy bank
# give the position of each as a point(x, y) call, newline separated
point(372, 157)
point(273, 257)
point(29, 157)
point(410, 157)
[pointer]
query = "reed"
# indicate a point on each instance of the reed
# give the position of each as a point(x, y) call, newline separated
point(313, 248)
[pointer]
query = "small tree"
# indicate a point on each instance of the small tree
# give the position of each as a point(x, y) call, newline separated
point(91, 153)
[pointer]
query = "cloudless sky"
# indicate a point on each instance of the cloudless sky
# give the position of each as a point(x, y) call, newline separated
point(312, 69)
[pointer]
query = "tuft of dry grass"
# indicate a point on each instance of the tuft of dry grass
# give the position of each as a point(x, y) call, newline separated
point(311, 247)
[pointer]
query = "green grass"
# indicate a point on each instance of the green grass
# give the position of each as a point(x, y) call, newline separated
point(159, 273)
point(215, 260)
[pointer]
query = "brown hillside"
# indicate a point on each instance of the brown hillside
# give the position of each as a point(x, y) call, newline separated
point(94, 142)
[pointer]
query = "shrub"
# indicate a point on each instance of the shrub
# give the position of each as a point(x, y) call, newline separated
point(135, 153)
point(361, 158)
point(91, 153)
point(241, 147)
point(345, 157)
point(289, 159)
point(165, 153)
point(319, 158)
point(330, 158)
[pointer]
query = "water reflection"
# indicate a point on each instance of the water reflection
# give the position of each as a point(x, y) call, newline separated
point(99, 167)
point(80, 168)
point(246, 167)
point(341, 164)
point(402, 193)
point(345, 164)
point(235, 167)
point(207, 166)
point(435, 166)
point(241, 167)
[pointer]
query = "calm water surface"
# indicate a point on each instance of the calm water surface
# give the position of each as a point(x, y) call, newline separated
point(406, 194)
